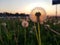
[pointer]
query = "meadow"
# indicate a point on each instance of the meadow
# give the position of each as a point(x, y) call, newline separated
point(13, 33)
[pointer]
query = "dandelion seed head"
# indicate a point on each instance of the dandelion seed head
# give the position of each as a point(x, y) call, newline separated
point(4, 24)
point(25, 23)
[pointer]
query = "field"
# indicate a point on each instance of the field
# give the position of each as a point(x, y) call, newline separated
point(13, 33)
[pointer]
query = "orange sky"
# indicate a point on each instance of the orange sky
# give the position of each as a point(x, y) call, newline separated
point(25, 6)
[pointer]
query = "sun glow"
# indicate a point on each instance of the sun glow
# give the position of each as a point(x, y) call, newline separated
point(31, 6)
point(46, 6)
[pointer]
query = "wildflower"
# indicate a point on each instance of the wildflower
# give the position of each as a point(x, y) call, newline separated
point(42, 16)
point(3, 24)
point(25, 24)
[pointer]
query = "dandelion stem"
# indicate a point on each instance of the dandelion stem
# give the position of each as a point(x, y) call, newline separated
point(39, 36)
point(25, 36)
point(36, 32)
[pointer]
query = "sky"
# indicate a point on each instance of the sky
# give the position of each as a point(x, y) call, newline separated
point(26, 6)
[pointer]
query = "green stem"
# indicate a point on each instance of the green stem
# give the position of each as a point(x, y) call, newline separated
point(39, 36)
point(25, 36)
point(36, 32)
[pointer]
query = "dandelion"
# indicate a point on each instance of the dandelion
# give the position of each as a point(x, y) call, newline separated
point(3, 24)
point(38, 15)
point(25, 24)
point(42, 16)
point(54, 23)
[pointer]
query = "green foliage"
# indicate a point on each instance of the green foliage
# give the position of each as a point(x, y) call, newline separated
point(13, 33)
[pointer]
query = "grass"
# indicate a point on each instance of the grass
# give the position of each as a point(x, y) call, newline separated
point(13, 33)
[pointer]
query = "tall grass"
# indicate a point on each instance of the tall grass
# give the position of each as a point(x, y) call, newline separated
point(14, 34)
